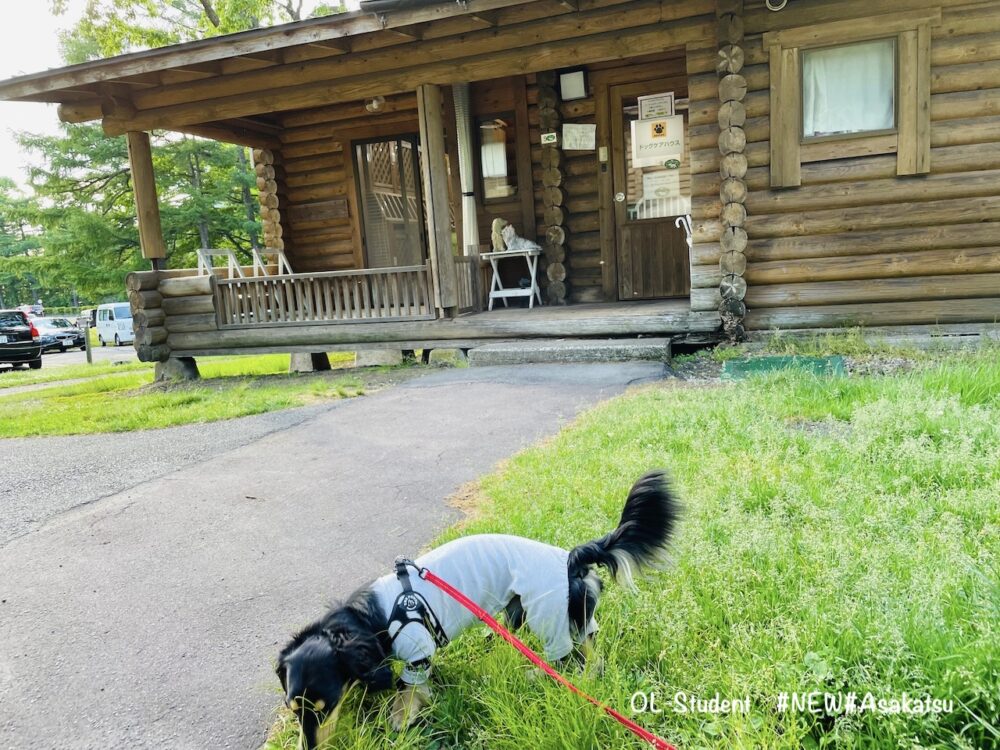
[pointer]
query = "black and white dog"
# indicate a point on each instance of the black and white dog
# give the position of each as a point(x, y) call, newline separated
point(402, 617)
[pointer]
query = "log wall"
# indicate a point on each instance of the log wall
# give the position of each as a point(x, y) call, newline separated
point(577, 195)
point(855, 244)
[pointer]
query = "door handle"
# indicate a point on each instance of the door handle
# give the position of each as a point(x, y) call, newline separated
point(619, 197)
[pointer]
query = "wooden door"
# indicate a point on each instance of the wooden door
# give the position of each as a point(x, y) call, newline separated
point(388, 185)
point(652, 252)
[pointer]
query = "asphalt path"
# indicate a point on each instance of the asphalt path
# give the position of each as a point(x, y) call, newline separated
point(143, 606)
point(54, 359)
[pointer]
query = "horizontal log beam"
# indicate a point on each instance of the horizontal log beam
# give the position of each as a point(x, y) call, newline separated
point(189, 305)
point(461, 328)
point(849, 244)
point(237, 135)
point(548, 56)
point(925, 214)
point(922, 312)
point(141, 281)
point(312, 31)
point(975, 260)
point(326, 70)
point(875, 192)
point(186, 286)
point(191, 323)
point(873, 290)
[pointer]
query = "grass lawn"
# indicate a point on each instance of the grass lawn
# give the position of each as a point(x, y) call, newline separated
point(839, 535)
point(69, 372)
point(230, 387)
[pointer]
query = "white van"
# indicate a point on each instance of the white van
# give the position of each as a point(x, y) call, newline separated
point(114, 323)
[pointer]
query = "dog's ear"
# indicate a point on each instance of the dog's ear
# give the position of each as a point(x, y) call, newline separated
point(282, 671)
point(363, 658)
point(297, 640)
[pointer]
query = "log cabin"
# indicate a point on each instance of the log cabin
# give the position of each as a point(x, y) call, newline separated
point(686, 167)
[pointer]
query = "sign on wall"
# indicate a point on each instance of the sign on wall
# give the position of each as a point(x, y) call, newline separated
point(663, 184)
point(656, 141)
point(578, 137)
point(656, 105)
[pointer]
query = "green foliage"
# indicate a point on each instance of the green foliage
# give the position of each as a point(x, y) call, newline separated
point(76, 237)
point(113, 27)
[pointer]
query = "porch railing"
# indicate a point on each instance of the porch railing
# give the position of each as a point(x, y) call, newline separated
point(377, 294)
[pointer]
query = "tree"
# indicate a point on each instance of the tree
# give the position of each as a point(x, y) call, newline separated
point(79, 235)
point(113, 27)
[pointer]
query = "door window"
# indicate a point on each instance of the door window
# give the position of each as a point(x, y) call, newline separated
point(656, 186)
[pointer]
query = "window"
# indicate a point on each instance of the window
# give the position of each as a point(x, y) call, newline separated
point(497, 156)
point(849, 89)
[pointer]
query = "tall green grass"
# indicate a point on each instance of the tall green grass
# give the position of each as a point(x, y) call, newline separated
point(838, 535)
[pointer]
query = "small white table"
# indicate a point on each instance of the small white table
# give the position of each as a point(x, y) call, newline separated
point(497, 290)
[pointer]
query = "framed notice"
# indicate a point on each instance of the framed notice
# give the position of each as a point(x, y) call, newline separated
point(654, 142)
point(663, 184)
point(579, 137)
point(654, 106)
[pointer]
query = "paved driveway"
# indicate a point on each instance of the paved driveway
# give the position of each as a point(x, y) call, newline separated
point(149, 617)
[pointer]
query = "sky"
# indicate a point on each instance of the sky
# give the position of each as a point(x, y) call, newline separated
point(31, 45)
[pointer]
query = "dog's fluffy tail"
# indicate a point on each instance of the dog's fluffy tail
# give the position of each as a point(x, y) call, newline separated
point(642, 535)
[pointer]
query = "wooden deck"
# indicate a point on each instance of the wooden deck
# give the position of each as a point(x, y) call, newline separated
point(609, 320)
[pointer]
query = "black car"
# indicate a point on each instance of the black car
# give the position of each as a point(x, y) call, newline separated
point(59, 334)
point(19, 340)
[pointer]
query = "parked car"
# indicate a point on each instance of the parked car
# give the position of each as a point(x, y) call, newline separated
point(87, 318)
point(19, 340)
point(114, 323)
point(59, 334)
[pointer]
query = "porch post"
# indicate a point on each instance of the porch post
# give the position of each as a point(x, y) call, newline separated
point(140, 158)
point(463, 131)
point(435, 182)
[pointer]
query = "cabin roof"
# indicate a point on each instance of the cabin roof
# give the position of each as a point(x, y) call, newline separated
point(389, 21)
point(244, 87)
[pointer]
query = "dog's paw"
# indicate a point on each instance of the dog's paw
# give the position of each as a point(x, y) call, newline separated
point(407, 704)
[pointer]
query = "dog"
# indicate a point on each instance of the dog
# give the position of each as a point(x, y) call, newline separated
point(402, 617)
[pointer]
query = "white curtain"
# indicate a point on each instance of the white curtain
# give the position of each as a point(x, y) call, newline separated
point(849, 89)
point(493, 140)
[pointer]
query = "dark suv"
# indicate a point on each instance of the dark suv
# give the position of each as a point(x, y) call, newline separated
point(19, 342)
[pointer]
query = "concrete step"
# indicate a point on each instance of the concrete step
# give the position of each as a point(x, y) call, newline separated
point(571, 350)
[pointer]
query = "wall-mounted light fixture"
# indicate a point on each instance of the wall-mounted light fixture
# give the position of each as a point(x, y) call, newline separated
point(573, 85)
point(375, 104)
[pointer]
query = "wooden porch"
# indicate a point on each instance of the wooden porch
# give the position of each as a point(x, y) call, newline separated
point(197, 315)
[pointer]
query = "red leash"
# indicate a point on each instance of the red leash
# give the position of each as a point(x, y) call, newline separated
point(500, 630)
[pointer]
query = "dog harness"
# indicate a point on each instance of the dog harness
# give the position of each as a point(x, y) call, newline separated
point(491, 569)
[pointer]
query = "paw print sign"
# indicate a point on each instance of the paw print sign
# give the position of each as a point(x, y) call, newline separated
point(657, 140)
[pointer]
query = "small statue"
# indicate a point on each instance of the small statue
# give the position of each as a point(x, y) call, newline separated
point(513, 242)
point(497, 235)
